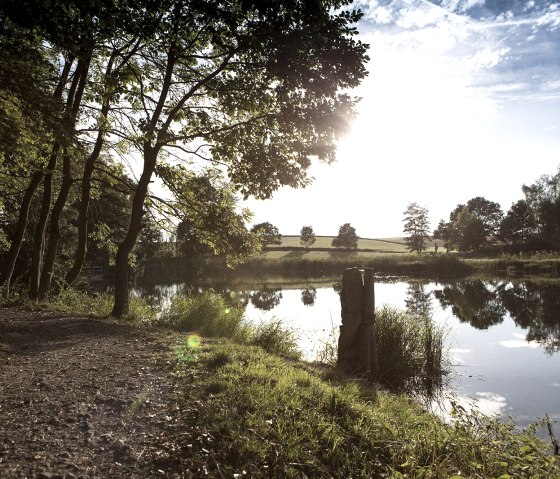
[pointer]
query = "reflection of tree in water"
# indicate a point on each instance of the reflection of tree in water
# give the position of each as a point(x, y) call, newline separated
point(234, 297)
point(308, 296)
point(535, 307)
point(266, 299)
point(418, 301)
point(337, 287)
point(473, 302)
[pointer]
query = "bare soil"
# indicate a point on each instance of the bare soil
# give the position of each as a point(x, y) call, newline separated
point(83, 397)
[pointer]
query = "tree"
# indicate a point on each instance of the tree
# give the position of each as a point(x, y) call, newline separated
point(307, 236)
point(489, 212)
point(416, 227)
point(444, 232)
point(254, 87)
point(517, 226)
point(346, 238)
point(268, 233)
point(469, 231)
point(211, 222)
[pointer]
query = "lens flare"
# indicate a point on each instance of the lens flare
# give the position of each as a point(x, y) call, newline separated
point(193, 341)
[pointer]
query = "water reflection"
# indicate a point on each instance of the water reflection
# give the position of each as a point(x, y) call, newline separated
point(265, 298)
point(308, 295)
point(535, 307)
point(473, 302)
point(419, 300)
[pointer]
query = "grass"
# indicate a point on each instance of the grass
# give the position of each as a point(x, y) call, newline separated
point(99, 305)
point(394, 245)
point(410, 350)
point(251, 414)
point(211, 315)
point(321, 263)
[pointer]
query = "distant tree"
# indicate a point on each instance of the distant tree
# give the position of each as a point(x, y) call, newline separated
point(268, 232)
point(416, 227)
point(517, 226)
point(489, 212)
point(444, 232)
point(307, 236)
point(346, 238)
point(469, 230)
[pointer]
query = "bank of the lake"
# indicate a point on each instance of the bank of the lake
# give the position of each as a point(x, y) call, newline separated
point(318, 263)
point(245, 412)
point(259, 415)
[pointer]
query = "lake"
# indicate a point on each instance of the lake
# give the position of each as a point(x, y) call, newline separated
point(503, 335)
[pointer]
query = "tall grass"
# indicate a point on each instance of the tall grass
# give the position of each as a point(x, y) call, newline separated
point(211, 315)
point(410, 349)
point(207, 314)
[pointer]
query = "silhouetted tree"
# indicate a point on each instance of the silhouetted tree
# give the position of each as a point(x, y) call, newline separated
point(346, 238)
point(308, 296)
point(416, 227)
point(517, 226)
point(469, 231)
point(307, 236)
point(444, 232)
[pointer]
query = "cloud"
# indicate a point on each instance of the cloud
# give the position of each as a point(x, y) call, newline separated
point(519, 343)
point(461, 6)
point(420, 17)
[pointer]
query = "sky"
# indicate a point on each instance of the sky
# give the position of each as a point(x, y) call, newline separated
point(462, 100)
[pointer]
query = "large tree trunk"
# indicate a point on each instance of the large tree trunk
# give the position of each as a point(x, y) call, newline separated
point(17, 239)
point(73, 103)
point(58, 208)
point(83, 208)
point(54, 235)
point(23, 217)
point(39, 235)
point(120, 308)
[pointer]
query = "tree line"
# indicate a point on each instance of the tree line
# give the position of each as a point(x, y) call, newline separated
point(213, 98)
point(531, 223)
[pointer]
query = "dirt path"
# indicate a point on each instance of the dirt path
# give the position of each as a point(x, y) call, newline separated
point(85, 398)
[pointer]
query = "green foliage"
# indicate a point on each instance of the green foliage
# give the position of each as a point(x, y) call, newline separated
point(275, 337)
point(271, 418)
point(267, 233)
point(212, 223)
point(416, 227)
point(307, 236)
point(469, 231)
point(347, 237)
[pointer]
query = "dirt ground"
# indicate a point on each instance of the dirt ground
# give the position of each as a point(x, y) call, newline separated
point(82, 397)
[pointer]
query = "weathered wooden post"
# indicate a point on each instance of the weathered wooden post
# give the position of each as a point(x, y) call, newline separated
point(356, 343)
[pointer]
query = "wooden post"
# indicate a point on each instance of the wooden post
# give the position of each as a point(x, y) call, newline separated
point(356, 343)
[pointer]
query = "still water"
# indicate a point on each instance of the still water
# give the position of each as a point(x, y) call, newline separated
point(503, 336)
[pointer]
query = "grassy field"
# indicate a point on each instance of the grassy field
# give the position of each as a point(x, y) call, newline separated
point(382, 245)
